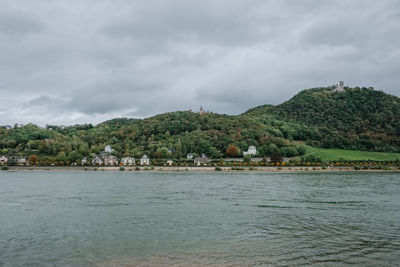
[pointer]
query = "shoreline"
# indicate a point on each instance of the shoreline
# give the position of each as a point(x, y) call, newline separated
point(299, 169)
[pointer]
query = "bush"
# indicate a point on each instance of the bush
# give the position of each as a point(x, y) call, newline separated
point(137, 168)
point(146, 168)
point(237, 169)
point(218, 168)
point(4, 168)
point(121, 168)
point(356, 168)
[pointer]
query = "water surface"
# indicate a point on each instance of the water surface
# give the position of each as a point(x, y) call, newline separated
point(149, 218)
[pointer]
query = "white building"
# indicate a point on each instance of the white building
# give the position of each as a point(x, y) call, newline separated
point(189, 156)
point(170, 162)
point(110, 160)
point(251, 151)
point(145, 160)
point(108, 149)
point(3, 160)
point(22, 161)
point(129, 161)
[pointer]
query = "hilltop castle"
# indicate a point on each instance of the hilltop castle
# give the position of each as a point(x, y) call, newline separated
point(339, 87)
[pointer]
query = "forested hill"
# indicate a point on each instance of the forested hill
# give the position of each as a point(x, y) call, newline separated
point(354, 119)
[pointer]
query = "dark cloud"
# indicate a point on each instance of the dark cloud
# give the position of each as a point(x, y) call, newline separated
point(80, 61)
point(19, 24)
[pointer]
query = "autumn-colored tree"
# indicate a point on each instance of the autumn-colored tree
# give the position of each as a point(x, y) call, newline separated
point(33, 159)
point(232, 151)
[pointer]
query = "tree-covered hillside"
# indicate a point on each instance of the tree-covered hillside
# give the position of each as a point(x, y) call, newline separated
point(356, 118)
point(353, 119)
point(169, 135)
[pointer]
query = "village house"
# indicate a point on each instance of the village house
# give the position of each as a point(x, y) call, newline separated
point(22, 161)
point(201, 160)
point(3, 160)
point(108, 149)
point(145, 160)
point(110, 160)
point(189, 156)
point(129, 161)
point(251, 151)
point(97, 161)
point(170, 162)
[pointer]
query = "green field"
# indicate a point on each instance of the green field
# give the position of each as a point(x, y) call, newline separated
point(337, 154)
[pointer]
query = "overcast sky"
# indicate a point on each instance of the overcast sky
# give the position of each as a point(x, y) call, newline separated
point(67, 62)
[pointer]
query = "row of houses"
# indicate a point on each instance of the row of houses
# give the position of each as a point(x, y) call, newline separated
point(19, 160)
point(111, 160)
point(108, 159)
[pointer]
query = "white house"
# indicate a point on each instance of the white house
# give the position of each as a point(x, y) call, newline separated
point(145, 160)
point(108, 149)
point(128, 161)
point(97, 161)
point(170, 162)
point(251, 151)
point(3, 160)
point(201, 160)
point(110, 160)
point(22, 161)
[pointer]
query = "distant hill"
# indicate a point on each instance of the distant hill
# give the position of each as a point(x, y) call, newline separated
point(356, 118)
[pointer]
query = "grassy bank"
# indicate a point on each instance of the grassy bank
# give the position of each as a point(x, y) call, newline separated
point(338, 154)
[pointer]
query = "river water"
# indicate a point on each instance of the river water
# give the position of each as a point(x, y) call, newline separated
point(126, 218)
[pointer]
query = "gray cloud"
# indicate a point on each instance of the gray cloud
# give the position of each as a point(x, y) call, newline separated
point(19, 24)
point(80, 61)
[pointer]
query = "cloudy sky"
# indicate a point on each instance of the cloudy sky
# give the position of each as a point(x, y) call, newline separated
point(67, 62)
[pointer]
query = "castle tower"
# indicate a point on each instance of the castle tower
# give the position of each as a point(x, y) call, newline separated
point(202, 112)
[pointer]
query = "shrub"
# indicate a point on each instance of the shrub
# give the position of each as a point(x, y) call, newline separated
point(4, 168)
point(356, 168)
point(137, 168)
point(218, 168)
point(121, 168)
point(146, 168)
